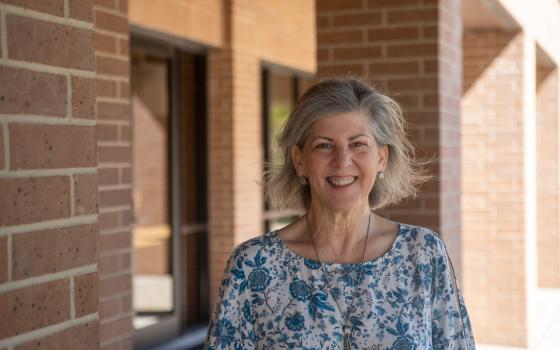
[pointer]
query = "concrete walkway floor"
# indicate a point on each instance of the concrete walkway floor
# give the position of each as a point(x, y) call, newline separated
point(548, 323)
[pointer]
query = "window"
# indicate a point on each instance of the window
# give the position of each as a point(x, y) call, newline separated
point(280, 91)
point(170, 283)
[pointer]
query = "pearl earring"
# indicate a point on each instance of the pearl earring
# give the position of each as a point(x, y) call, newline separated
point(381, 174)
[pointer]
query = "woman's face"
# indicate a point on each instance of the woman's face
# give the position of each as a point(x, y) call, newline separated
point(341, 159)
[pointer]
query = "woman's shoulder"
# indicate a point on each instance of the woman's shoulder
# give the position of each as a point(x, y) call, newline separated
point(261, 245)
point(421, 239)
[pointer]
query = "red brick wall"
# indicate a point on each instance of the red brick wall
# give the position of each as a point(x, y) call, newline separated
point(493, 183)
point(48, 176)
point(548, 235)
point(115, 202)
point(412, 51)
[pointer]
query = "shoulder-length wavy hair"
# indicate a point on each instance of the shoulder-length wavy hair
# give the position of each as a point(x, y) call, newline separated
point(328, 98)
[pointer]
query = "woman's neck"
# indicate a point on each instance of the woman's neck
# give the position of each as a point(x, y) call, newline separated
point(339, 232)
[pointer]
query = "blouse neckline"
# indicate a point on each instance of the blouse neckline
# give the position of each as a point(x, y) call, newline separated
point(389, 251)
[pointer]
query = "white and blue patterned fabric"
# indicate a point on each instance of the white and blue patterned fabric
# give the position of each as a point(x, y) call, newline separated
point(272, 298)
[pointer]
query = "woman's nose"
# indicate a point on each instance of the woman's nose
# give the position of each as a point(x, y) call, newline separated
point(342, 157)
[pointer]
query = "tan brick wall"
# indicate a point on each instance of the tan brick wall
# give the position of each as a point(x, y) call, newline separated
point(412, 51)
point(235, 157)
point(198, 20)
point(548, 233)
point(48, 176)
point(114, 149)
point(493, 184)
point(220, 165)
point(278, 31)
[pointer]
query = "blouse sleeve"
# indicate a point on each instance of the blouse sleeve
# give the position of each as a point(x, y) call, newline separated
point(451, 327)
point(231, 326)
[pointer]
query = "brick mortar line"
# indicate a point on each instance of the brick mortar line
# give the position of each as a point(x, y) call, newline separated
point(6, 136)
point(122, 100)
point(115, 187)
point(110, 32)
point(113, 231)
point(115, 164)
point(113, 122)
point(69, 96)
point(72, 195)
point(44, 68)
point(118, 317)
point(114, 143)
point(47, 172)
point(12, 9)
point(119, 273)
point(115, 252)
point(32, 281)
point(381, 59)
point(120, 137)
point(115, 296)
point(112, 55)
point(110, 11)
point(51, 224)
point(37, 119)
point(380, 9)
point(105, 166)
point(117, 78)
point(66, 9)
point(114, 208)
point(366, 28)
point(72, 295)
point(4, 34)
point(9, 248)
point(47, 331)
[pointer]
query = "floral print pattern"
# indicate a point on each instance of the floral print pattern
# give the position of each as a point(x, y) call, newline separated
point(272, 298)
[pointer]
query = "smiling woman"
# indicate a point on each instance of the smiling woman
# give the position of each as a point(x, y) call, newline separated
point(342, 277)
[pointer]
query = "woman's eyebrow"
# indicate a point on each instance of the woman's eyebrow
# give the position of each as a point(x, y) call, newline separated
point(332, 140)
point(356, 136)
point(322, 137)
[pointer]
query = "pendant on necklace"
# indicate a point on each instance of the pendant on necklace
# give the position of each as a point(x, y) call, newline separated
point(346, 340)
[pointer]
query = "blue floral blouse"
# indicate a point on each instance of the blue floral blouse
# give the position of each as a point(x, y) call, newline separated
point(272, 298)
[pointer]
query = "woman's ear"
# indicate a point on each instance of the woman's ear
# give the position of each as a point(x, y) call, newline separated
point(383, 154)
point(297, 159)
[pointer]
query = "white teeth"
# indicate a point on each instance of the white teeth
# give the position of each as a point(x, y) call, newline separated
point(341, 181)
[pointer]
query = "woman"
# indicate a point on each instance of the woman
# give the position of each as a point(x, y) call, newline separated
point(342, 277)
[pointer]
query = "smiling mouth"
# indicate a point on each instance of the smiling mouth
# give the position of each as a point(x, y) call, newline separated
point(338, 181)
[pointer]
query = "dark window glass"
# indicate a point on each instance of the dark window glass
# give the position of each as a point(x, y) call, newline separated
point(280, 92)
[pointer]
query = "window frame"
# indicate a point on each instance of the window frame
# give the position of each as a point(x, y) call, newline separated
point(173, 326)
point(295, 75)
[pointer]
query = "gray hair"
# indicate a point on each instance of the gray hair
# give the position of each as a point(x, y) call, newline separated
point(330, 97)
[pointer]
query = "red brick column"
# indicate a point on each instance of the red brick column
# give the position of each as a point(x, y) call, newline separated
point(48, 176)
point(115, 160)
point(548, 191)
point(494, 185)
point(412, 50)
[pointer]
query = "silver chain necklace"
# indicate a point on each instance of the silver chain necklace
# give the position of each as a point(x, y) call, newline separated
point(346, 326)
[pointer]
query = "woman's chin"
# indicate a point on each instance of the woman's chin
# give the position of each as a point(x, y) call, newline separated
point(346, 205)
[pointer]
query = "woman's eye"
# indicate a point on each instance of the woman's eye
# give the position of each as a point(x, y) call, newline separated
point(358, 144)
point(323, 146)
